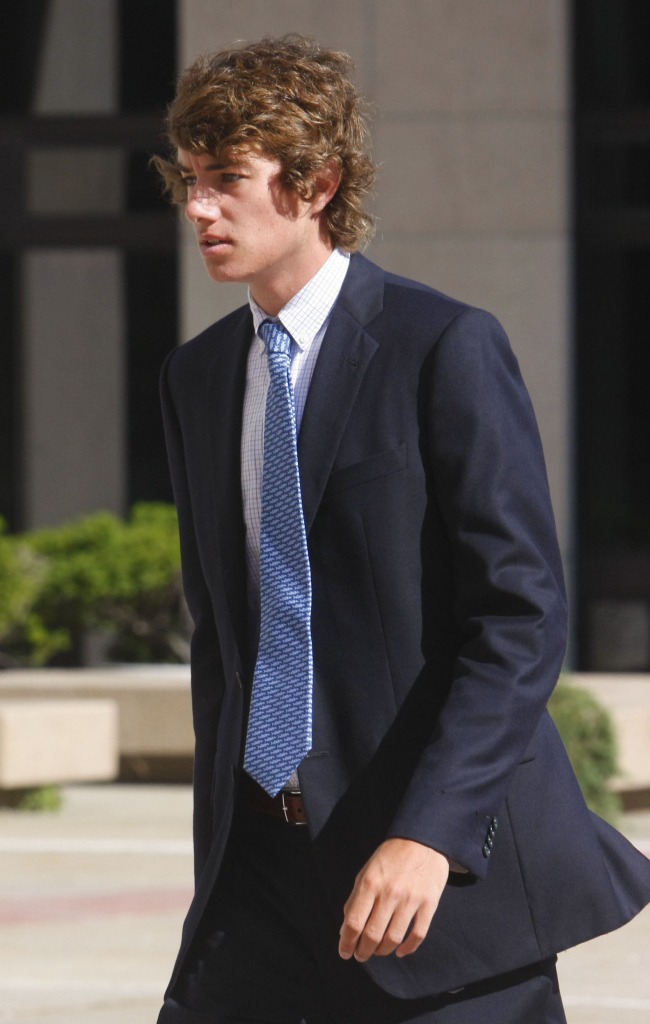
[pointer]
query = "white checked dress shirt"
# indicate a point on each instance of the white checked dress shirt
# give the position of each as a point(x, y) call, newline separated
point(305, 317)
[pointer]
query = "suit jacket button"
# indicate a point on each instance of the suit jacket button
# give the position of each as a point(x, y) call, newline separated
point(495, 823)
point(486, 850)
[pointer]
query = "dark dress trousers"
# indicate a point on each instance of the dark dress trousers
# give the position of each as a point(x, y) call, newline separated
point(438, 628)
point(266, 952)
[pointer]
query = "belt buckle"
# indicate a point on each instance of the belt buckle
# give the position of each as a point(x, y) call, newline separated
point(285, 810)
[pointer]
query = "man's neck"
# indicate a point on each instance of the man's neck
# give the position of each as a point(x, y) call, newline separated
point(283, 282)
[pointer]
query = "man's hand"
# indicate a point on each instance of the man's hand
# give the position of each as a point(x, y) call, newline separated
point(401, 883)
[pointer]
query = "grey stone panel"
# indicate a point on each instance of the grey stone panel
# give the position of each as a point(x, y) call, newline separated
point(75, 180)
point(206, 26)
point(78, 73)
point(471, 173)
point(460, 55)
point(74, 383)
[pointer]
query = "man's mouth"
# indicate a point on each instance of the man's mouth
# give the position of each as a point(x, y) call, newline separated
point(210, 245)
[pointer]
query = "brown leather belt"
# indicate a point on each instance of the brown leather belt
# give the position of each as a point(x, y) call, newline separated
point(287, 804)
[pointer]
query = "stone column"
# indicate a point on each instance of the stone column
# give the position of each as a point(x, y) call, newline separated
point(78, 67)
point(73, 373)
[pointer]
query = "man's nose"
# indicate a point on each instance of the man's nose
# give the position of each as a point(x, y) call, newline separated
point(202, 206)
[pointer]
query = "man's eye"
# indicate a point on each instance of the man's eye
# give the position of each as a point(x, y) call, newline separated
point(231, 176)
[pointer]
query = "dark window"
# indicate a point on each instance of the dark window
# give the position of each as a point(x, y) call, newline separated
point(619, 174)
point(152, 331)
point(84, 180)
point(613, 70)
point(143, 191)
point(9, 390)
point(147, 54)
point(20, 45)
point(612, 50)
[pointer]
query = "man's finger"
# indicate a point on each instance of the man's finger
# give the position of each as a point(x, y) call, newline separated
point(396, 930)
point(374, 929)
point(418, 931)
point(357, 911)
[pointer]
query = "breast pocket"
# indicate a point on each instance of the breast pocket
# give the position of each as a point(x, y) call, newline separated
point(380, 465)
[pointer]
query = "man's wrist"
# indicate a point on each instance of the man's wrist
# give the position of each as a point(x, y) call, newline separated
point(455, 866)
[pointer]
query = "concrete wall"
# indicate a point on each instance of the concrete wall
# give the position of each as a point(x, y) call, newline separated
point(471, 135)
point(79, 72)
point(73, 379)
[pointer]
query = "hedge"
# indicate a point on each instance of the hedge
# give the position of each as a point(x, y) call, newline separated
point(588, 734)
point(21, 576)
point(96, 573)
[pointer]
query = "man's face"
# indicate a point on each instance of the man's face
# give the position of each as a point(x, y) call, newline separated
point(247, 225)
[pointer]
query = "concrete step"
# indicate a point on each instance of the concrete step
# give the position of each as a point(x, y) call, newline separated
point(44, 742)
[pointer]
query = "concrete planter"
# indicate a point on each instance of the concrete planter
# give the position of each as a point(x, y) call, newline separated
point(155, 735)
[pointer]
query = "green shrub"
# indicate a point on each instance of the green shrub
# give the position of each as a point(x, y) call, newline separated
point(34, 798)
point(21, 575)
point(149, 616)
point(588, 734)
point(101, 573)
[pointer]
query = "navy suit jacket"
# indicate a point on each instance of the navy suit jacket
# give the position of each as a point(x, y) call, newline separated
point(439, 620)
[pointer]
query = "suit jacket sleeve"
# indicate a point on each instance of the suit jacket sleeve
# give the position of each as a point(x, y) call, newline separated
point(206, 665)
point(490, 483)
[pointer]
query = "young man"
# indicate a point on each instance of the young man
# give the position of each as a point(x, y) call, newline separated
point(386, 825)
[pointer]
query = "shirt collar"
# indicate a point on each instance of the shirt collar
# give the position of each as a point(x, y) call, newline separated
point(306, 312)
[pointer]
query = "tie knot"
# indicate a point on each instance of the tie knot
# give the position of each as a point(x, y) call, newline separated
point(275, 338)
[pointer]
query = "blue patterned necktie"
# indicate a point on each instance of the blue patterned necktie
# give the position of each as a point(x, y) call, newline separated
point(279, 724)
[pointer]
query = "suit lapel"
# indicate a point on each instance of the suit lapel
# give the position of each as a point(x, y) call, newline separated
point(344, 357)
point(225, 389)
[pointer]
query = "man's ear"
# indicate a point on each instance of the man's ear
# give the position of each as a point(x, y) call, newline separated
point(326, 181)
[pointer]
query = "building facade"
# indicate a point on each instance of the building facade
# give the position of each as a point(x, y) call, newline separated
point(487, 116)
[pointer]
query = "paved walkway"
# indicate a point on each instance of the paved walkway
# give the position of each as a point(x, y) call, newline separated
point(92, 900)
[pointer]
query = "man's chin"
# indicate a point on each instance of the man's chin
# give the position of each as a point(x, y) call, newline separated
point(222, 271)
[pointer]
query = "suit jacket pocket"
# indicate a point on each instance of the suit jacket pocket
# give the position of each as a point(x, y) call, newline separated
point(382, 464)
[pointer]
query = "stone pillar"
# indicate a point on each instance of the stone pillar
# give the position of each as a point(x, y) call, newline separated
point(471, 136)
point(78, 69)
point(73, 374)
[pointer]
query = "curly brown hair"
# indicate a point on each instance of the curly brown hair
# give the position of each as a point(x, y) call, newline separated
point(288, 98)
